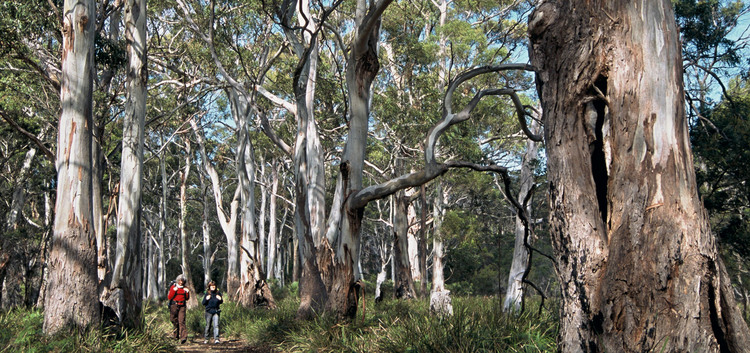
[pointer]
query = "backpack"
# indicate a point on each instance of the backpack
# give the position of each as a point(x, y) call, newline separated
point(170, 301)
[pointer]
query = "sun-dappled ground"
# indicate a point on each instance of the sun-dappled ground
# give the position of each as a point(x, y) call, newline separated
point(196, 345)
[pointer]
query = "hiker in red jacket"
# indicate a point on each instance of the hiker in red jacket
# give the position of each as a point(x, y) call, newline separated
point(178, 297)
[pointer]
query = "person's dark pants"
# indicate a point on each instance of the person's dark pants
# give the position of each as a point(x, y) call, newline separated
point(177, 316)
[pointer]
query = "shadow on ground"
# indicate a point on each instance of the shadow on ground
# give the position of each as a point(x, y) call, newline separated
point(196, 345)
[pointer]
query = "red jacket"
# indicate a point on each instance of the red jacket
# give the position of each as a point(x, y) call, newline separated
point(178, 295)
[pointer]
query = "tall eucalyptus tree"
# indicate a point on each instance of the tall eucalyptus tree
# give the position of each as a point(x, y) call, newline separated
point(72, 262)
point(127, 273)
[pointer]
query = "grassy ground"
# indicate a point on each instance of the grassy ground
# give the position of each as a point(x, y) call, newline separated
point(478, 325)
point(22, 332)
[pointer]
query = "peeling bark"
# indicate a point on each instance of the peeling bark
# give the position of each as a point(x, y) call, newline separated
point(72, 262)
point(637, 263)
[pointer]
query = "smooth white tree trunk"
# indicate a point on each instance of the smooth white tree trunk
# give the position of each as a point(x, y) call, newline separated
point(184, 243)
point(440, 300)
point(19, 194)
point(70, 297)
point(206, 231)
point(519, 265)
point(125, 288)
point(272, 268)
point(228, 222)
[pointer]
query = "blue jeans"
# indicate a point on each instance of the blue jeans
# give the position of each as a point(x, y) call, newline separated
point(212, 319)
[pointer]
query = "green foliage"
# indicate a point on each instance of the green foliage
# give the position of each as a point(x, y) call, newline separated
point(478, 325)
point(705, 25)
point(22, 332)
point(721, 154)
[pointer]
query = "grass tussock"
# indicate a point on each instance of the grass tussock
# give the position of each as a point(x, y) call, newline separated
point(22, 332)
point(477, 325)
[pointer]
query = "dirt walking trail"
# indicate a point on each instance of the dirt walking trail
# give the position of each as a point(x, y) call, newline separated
point(229, 345)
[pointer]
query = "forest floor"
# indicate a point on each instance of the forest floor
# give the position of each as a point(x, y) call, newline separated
point(196, 345)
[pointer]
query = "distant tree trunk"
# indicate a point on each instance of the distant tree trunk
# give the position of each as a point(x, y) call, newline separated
point(19, 194)
point(296, 261)
point(162, 269)
point(152, 268)
point(228, 223)
point(412, 240)
point(184, 246)
point(45, 244)
point(637, 263)
point(102, 116)
point(206, 229)
point(515, 290)
point(262, 217)
point(11, 257)
point(271, 268)
point(403, 287)
point(384, 242)
point(125, 289)
point(254, 290)
point(72, 263)
point(440, 300)
point(423, 242)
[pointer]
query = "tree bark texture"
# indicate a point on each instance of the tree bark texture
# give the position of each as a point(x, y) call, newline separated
point(206, 231)
point(440, 300)
point(403, 286)
point(361, 69)
point(254, 290)
point(637, 264)
point(70, 298)
point(19, 193)
point(184, 245)
point(127, 273)
point(515, 290)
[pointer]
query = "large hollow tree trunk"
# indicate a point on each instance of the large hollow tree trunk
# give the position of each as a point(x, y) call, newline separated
point(637, 263)
point(71, 298)
point(125, 289)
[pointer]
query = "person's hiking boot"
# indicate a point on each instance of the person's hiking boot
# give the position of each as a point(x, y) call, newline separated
point(216, 341)
point(205, 341)
point(183, 341)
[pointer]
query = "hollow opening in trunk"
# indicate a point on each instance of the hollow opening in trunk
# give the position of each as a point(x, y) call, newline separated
point(598, 159)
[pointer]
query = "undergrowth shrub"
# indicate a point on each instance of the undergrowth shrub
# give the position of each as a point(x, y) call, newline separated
point(22, 332)
point(478, 325)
